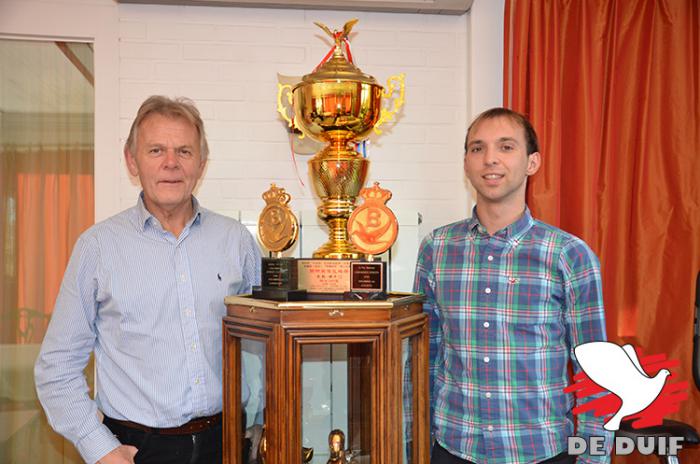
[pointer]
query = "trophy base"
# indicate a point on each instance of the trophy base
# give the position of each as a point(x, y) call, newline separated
point(280, 273)
point(343, 279)
point(326, 276)
point(367, 281)
point(278, 294)
point(368, 277)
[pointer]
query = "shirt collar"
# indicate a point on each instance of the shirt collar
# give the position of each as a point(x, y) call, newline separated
point(143, 216)
point(513, 231)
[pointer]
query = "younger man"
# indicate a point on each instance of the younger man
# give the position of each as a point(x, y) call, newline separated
point(508, 298)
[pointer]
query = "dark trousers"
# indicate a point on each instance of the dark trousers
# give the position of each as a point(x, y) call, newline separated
point(441, 456)
point(199, 448)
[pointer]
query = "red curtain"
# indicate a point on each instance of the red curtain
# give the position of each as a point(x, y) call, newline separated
point(613, 90)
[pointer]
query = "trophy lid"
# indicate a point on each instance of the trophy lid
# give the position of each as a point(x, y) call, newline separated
point(338, 67)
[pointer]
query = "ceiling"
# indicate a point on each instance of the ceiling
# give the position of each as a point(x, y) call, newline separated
point(453, 7)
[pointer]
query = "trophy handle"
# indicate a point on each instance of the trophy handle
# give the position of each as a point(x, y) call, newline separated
point(391, 84)
point(282, 108)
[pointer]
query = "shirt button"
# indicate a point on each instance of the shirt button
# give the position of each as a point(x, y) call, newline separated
point(490, 258)
point(182, 277)
point(490, 428)
point(194, 347)
point(488, 394)
point(487, 290)
point(486, 359)
point(196, 381)
point(188, 312)
point(486, 324)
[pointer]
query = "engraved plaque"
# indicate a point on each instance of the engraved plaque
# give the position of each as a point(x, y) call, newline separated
point(330, 276)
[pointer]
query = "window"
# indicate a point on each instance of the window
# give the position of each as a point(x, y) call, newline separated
point(46, 201)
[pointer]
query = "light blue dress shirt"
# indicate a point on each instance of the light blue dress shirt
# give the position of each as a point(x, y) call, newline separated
point(150, 306)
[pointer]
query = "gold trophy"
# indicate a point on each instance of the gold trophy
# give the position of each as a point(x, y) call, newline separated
point(278, 229)
point(339, 105)
point(373, 228)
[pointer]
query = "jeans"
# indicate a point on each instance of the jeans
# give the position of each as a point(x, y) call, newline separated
point(200, 448)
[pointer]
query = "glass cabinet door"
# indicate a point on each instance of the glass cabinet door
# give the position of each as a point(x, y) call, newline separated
point(336, 403)
point(252, 399)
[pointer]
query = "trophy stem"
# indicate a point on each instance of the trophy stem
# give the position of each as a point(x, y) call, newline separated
point(338, 247)
point(339, 144)
point(338, 175)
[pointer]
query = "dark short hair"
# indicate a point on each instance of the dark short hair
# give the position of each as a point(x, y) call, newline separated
point(519, 119)
point(172, 108)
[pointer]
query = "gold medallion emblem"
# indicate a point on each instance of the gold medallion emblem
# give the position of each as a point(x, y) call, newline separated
point(277, 226)
point(372, 226)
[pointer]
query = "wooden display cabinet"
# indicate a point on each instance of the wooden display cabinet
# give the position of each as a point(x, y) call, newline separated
point(303, 369)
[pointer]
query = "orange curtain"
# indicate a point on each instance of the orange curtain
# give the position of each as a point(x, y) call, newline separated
point(44, 201)
point(53, 194)
point(613, 90)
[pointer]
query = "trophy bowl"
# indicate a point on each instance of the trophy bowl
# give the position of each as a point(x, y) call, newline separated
point(337, 111)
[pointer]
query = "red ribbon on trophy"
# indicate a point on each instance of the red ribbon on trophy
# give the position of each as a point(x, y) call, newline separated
point(338, 35)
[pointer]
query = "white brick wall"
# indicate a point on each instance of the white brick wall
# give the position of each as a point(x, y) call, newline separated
point(227, 60)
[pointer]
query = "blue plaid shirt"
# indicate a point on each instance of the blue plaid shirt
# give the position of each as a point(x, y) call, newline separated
point(506, 311)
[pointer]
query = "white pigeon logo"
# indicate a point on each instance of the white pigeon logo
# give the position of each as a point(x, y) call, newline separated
point(618, 370)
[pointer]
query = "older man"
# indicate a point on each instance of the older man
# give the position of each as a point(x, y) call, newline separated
point(145, 291)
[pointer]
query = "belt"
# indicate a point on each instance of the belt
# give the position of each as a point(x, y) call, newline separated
point(197, 425)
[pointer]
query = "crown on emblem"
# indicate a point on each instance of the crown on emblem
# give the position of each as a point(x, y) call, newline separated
point(276, 195)
point(375, 194)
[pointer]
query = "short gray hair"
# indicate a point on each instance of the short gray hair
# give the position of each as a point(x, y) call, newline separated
point(179, 107)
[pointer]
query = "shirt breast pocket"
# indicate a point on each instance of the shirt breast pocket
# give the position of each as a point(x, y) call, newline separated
point(229, 281)
point(535, 315)
point(533, 299)
point(535, 320)
point(232, 280)
point(225, 280)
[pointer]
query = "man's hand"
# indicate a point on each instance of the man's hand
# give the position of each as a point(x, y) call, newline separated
point(124, 454)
